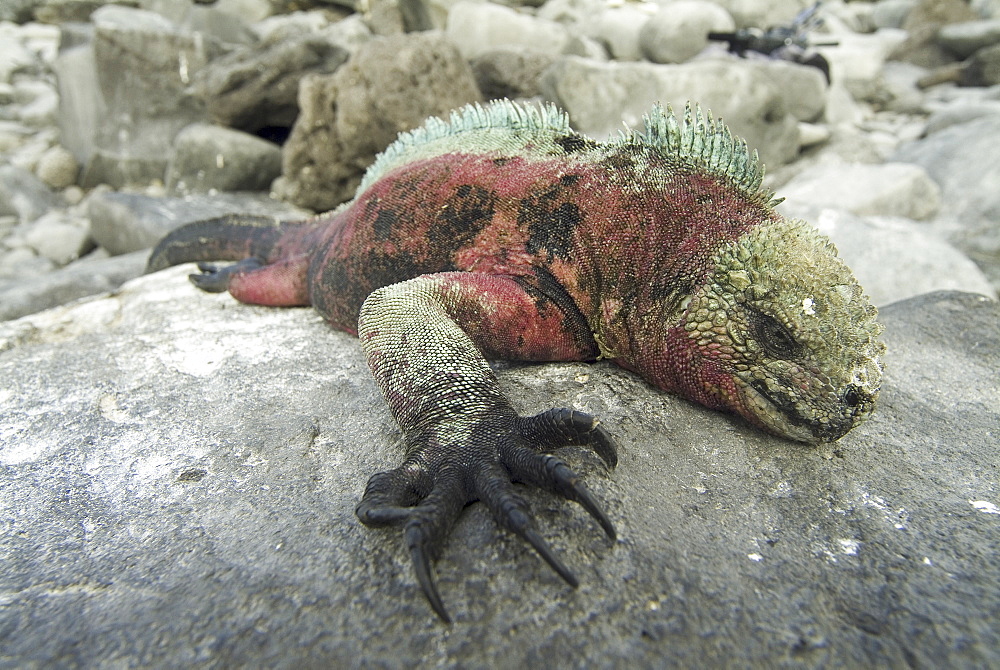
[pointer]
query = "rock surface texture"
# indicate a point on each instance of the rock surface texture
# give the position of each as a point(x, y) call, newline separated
point(185, 469)
point(180, 472)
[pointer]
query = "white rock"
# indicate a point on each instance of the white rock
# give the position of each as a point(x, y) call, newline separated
point(601, 96)
point(679, 30)
point(618, 29)
point(59, 237)
point(858, 59)
point(57, 167)
point(895, 258)
point(476, 28)
point(892, 189)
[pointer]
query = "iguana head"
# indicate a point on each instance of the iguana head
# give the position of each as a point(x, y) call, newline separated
point(784, 334)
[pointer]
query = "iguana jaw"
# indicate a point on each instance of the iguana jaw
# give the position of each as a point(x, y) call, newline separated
point(778, 411)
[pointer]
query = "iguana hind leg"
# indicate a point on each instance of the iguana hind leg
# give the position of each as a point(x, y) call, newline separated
point(278, 284)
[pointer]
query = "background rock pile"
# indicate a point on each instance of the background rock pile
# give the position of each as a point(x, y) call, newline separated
point(123, 120)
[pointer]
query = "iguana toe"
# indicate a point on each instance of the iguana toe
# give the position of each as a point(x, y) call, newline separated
point(428, 491)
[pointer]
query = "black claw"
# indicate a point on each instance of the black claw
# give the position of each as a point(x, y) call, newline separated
point(569, 485)
point(586, 500)
point(417, 543)
point(545, 551)
point(562, 427)
point(215, 278)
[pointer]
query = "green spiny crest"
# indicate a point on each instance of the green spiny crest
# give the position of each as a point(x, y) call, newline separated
point(519, 126)
point(704, 143)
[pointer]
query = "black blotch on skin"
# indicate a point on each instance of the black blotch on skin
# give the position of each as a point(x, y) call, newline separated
point(551, 220)
point(384, 223)
point(465, 214)
point(574, 143)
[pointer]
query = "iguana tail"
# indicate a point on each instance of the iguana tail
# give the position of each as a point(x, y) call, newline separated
point(233, 237)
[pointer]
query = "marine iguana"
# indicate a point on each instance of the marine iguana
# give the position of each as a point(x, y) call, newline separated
point(502, 233)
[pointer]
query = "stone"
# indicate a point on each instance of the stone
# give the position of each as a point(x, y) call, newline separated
point(125, 96)
point(58, 236)
point(922, 25)
point(24, 195)
point(857, 60)
point(77, 280)
point(962, 160)
point(890, 189)
point(187, 468)
point(900, 91)
point(257, 86)
point(570, 12)
point(964, 39)
point(389, 85)
point(679, 31)
point(891, 13)
point(57, 167)
point(618, 30)
point(39, 102)
point(601, 96)
point(761, 13)
point(126, 222)
point(951, 115)
point(510, 73)
point(478, 27)
point(894, 258)
point(208, 157)
point(983, 68)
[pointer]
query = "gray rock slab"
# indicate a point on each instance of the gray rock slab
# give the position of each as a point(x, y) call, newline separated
point(126, 222)
point(180, 475)
point(77, 280)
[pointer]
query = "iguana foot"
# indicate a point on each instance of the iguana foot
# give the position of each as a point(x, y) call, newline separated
point(426, 493)
point(214, 278)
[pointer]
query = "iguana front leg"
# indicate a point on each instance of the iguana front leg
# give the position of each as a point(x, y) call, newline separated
point(424, 340)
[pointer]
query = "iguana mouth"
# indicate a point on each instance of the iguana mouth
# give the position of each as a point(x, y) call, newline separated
point(780, 413)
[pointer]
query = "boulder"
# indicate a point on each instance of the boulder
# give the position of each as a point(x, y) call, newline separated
point(679, 31)
point(964, 39)
point(257, 86)
point(477, 27)
point(600, 96)
point(208, 157)
point(618, 30)
point(184, 470)
point(892, 257)
point(962, 160)
point(389, 85)
point(24, 195)
point(889, 189)
point(510, 73)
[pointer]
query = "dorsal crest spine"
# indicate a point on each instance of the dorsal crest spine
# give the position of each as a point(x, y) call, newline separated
point(469, 129)
point(703, 143)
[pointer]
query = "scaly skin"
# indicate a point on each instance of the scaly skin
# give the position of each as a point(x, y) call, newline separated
point(504, 234)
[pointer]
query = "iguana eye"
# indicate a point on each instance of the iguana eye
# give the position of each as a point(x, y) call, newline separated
point(773, 336)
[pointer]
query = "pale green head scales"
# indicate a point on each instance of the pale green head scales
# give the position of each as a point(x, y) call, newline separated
point(792, 328)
